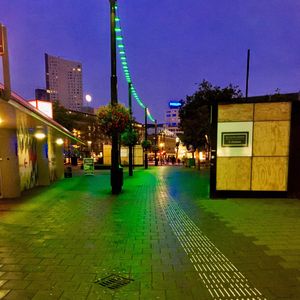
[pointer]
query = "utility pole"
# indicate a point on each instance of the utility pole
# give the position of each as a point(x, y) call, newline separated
point(146, 139)
point(130, 128)
point(116, 174)
point(247, 76)
point(155, 146)
point(5, 62)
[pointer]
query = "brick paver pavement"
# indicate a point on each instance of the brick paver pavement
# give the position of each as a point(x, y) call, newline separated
point(162, 232)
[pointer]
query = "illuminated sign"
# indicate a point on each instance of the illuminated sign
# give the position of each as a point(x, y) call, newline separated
point(88, 166)
point(175, 104)
point(44, 106)
point(1, 40)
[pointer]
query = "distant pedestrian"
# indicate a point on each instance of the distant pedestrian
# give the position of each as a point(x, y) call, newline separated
point(173, 160)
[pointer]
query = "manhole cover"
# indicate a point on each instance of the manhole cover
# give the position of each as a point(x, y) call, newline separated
point(113, 281)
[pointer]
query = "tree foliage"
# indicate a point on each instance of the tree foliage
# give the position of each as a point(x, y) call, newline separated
point(129, 137)
point(113, 117)
point(195, 112)
point(62, 116)
point(146, 144)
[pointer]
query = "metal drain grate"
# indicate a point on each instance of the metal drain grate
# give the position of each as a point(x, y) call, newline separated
point(113, 281)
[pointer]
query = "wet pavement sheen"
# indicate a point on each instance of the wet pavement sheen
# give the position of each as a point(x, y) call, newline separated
point(162, 232)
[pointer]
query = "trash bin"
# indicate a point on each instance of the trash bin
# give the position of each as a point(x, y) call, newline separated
point(74, 161)
point(191, 162)
point(68, 172)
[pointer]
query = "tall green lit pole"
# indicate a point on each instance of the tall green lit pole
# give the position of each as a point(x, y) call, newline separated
point(116, 174)
point(130, 128)
point(146, 138)
point(155, 146)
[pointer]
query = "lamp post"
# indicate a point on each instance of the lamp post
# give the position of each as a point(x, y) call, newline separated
point(146, 138)
point(116, 174)
point(155, 145)
point(247, 76)
point(161, 145)
point(177, 148)
point(130, 128)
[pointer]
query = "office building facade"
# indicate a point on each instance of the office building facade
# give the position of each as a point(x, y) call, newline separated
point(172, 119)
point(64, 82)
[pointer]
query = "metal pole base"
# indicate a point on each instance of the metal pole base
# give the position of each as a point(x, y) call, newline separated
point(146, 161)
point(116, 180)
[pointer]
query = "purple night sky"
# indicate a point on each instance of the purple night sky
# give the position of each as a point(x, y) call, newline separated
point(171, 45)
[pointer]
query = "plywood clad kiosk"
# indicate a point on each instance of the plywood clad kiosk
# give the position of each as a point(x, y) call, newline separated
point(255, 147)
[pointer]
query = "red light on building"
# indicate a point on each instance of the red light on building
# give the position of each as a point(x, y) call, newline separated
point(1, 40)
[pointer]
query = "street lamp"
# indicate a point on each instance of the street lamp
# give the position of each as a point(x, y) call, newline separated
point(116, 174)
point(146, 139)
point(161, 145)
point(177, 148)
point(130, 148)
point(155, 145)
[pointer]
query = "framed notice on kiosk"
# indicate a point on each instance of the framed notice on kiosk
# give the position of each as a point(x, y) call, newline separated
point(234, 139)
point(88, 166)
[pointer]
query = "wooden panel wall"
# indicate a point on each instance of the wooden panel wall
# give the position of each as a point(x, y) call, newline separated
point(233, 173)
point(271, 138)
point(269, 173)
point(272, 111)
point(267, 169)
point(236, 113)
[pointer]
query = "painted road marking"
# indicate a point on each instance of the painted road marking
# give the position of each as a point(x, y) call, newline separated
point(222, 279)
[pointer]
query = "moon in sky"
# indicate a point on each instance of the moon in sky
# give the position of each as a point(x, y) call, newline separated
point(88, 98)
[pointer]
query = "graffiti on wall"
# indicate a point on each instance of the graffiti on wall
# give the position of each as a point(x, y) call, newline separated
point(51, 158)
point(27, 155)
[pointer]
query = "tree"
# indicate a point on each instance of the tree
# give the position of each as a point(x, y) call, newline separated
point(195, 113)
point(113, 117)
point(146, 144)
point(129, 137)
point(62, 116)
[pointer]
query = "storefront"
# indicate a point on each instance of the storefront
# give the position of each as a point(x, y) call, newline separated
point(31, 147)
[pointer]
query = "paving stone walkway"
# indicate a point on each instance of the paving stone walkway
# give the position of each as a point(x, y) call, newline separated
point(162, 232)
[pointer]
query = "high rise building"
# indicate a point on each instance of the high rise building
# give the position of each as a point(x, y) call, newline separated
point(64, 82)
point(172, 119)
